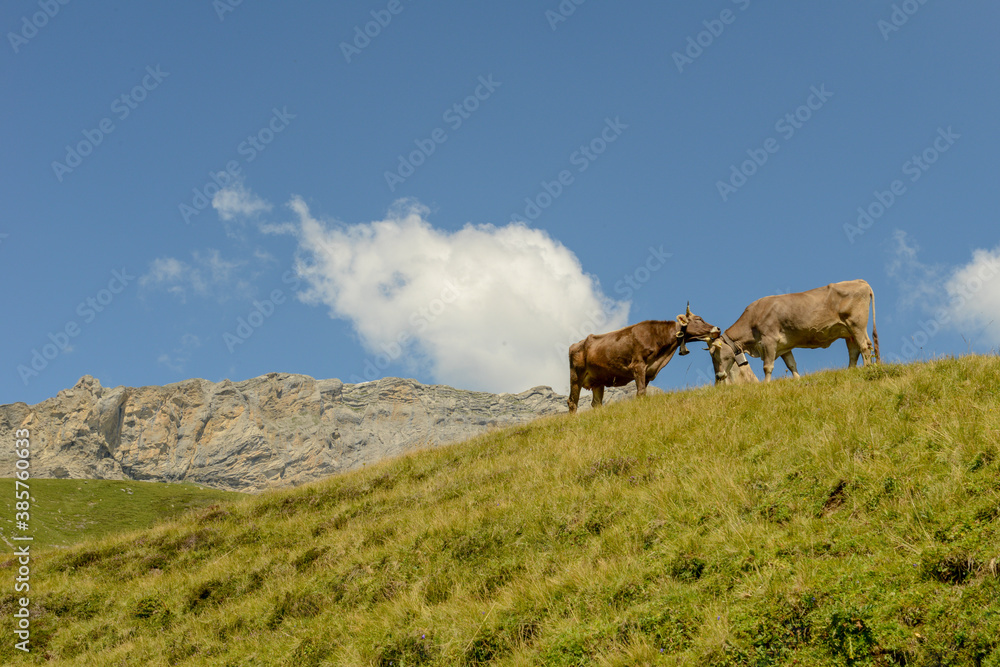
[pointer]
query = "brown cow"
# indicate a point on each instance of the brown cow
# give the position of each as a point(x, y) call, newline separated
point(637, 352)
point(773, 326)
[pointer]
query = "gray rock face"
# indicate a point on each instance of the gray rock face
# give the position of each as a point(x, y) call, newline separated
point(273, 431)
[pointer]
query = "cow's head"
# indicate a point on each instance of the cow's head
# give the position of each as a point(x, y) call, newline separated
point(725, 362)
point(723, 359)
point(692, 327)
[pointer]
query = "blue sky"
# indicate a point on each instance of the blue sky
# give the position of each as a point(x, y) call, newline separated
point(365, 227)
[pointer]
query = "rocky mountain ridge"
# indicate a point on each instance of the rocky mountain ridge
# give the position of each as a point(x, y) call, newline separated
point(272, 431)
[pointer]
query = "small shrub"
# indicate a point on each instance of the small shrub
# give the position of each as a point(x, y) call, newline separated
point(687, 567)
point(336, 523)
point(84, 608)
point(297, 604)
point(772, 630)
point(948, 567)
point(849, 636)
point(216, 591)
point(610, 467)
point(982, 459)
point(82, 558)
point(152, 608)
point(212, 513)
point(880, 371)
point(663, 628)
point(476, 543)
point(485, 647)
point(310, 653)
point(779, 513)
point(574, 646)
point(377, 536)
point(408, 650)
point(309, 557)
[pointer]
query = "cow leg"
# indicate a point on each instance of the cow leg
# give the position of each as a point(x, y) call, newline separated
point(598, 399)
point(768, 355)
point(790, 362)
point(574, 387)
point(866, 353)
point(862, 344)
point(574, 395)
point(854, 350)
point(640, 383)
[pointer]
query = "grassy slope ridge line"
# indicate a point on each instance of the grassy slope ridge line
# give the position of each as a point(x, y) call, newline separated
point(847, 518)
point(67, 511)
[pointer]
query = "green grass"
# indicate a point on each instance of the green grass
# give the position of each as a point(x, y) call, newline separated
point(849, 518)
point(66, 511)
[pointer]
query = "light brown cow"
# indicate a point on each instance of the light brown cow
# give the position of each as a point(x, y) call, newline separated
point(637, 352)
point(775, 325)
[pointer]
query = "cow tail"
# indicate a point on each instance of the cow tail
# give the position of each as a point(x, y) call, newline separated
point(878, 357)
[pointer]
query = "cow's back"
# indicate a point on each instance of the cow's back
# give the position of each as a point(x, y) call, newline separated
point(814, 318)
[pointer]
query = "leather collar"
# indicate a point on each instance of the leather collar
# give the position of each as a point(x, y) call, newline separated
point(730, 342)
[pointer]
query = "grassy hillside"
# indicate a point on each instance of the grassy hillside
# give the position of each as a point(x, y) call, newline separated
point(849, 518)
point(67, 511)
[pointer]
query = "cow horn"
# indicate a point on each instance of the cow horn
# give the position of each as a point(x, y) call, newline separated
point(689, 309)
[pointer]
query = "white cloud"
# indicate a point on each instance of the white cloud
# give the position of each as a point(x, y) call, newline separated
point(207, 275)
point(236, 201)
point(484, 307)
point(974, 295)
point(278, 228)
point(165, 269)
point(964, 298)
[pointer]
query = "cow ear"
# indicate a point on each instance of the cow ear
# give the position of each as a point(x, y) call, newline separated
point(715, 345)
point(682, 320)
